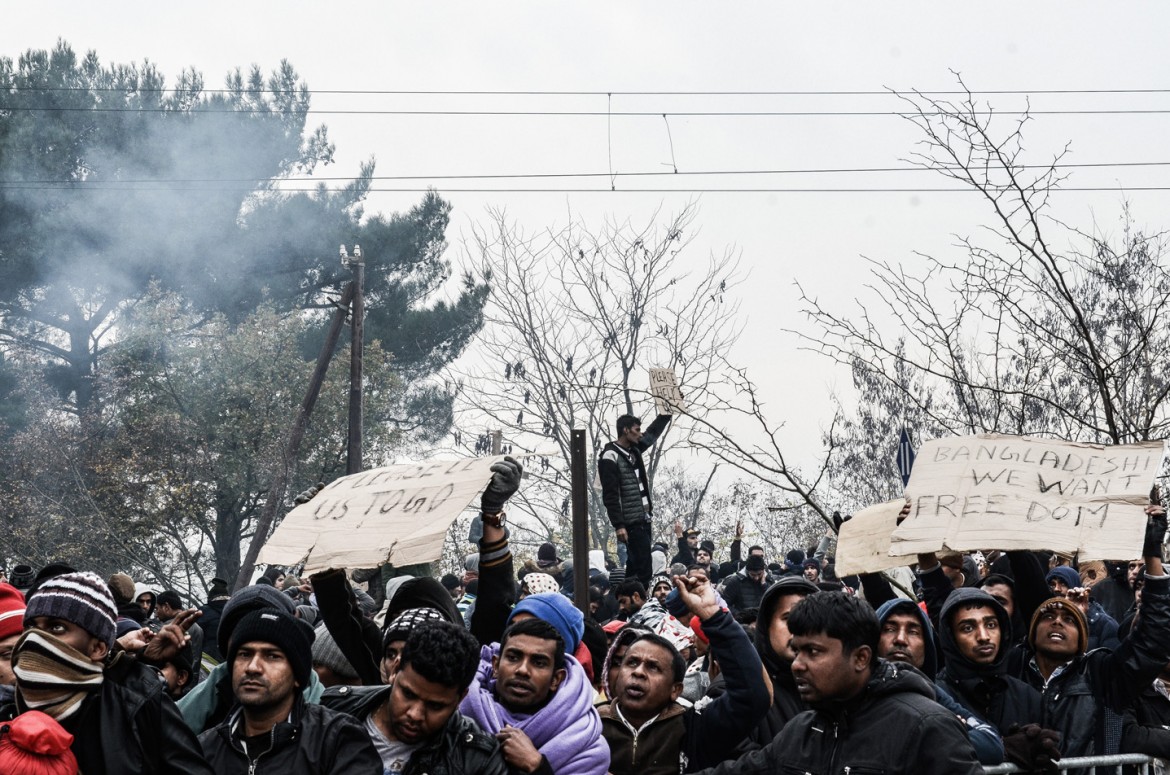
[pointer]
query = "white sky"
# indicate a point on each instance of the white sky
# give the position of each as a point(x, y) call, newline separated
point(684, 46)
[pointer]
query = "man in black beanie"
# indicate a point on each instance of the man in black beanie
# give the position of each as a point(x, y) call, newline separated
point(272, 728)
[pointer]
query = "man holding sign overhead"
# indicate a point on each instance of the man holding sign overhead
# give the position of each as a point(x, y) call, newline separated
point(625, 490)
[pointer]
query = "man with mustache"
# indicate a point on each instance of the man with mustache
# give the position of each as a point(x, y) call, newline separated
point(272, 728)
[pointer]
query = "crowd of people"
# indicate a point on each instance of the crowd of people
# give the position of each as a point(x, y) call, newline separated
point(682, 664)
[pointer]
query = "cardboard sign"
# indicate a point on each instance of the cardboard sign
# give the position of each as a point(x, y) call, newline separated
point(863, 545)
point(398, 514)
point(1014, 492)
point(668, 399)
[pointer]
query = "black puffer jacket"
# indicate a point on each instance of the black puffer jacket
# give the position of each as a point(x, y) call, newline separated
point(987, 690)
point(894, 726)
point(316, 741)
point(1084, 701)
point(461, 748)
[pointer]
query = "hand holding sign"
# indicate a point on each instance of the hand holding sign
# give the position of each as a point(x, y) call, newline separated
point(668, 399)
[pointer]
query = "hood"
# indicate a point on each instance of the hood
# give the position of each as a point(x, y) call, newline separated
point(957, 665)
point(900, 605)
point(423, 592)
point(778, 667)
point(624, 637)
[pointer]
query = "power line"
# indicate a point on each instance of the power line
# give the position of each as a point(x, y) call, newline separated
point(416, 190)
point(548, 175)
point(616, 113)
point(586, 93)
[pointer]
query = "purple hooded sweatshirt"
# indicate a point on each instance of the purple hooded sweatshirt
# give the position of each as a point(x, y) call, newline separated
point(566, 731)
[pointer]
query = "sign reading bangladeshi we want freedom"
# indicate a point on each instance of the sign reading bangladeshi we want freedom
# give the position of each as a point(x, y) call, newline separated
point(398, 514)
point(1014, 492)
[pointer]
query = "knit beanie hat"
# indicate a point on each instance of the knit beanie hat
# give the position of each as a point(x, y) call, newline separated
point(34, 743)
point(617, 577)
point(218, 590)
point(708, 547)
point(1071, 607)
point(11, 611)
point(812, 562)
point(407, 621)
point(555, 608)
point(258, 597)
point(22, 577)
point(546, 555)
point(423, 592)
point(307, 614)
point(325, 652)
point(449, 581)
point(281, 629)
point(756, 563)
point(539, 583)
point(81, 598)
point(122, 587)
point(1068, 575)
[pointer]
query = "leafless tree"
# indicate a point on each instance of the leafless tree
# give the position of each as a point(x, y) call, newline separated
point(1013, 333)
point(576, 318)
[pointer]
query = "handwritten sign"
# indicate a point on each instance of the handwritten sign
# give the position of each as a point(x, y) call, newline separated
point(1014, 492)
point(668, 399)
point(398, 514)
point(863, 545)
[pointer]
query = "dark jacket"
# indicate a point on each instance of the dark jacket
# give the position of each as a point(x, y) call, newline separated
point(623, 474)
point(742, 593)
point(131, 727)
point(314, 741)
point(1085, 699)
point(461, 748)
point(1114, 594)
point(1146, 727)
point(209, 621)
point(358, 638)
point(686, 739)
point(894, 726)
point(986, 690)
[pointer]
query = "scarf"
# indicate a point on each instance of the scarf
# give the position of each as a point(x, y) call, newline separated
point(52, 676)
point(566, 731)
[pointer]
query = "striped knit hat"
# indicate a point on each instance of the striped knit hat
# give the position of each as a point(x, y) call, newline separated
point(11, 611)
point(81, 598)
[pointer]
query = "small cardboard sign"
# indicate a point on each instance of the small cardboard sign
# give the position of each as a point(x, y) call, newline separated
point(668, 399)
point(1014, 492)
point(398, 514)
point(863, 544)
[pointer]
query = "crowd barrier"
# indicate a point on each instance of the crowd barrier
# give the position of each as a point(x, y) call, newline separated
point(1094, 765)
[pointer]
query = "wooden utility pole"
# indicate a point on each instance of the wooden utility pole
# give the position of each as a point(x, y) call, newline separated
point(279, 483)
point(580, 520)
point(353, 458)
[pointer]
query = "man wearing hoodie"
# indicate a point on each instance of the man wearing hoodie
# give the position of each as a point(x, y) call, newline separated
point(868, 715)
point(538, 702)
point(905, 635)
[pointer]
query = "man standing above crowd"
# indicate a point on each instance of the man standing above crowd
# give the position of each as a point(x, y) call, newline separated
point(625, 489)
point(869, 715)
point(272, 729)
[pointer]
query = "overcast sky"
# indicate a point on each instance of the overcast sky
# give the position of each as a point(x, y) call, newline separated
point(816, 238)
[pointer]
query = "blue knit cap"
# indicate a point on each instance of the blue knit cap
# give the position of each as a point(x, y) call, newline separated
point(555, 608)
point(1068, 575)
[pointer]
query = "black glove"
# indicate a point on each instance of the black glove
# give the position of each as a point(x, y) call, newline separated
point(504, 484)
point(309, 494)
point(1032, 747)
point(1155, 532)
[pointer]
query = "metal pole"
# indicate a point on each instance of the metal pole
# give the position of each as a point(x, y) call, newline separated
point(580, 520)
point(353, 458)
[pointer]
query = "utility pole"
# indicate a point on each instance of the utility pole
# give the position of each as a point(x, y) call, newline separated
point(497, 442)
point(353, 458)
point(580, 520)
